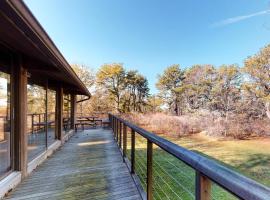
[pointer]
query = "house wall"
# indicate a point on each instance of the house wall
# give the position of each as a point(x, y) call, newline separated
point(21, 166)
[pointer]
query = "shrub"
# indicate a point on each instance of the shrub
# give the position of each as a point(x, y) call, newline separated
point(236, 126)
point(166, 124)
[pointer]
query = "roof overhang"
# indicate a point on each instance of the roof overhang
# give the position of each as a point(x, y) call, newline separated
point(21, 32)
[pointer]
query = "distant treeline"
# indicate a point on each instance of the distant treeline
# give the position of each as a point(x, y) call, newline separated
point(236, 95)
point(227, 89)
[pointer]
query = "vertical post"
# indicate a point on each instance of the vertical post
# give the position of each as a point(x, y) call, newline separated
point(32, 122)
point(120, 134)
point(73, 111)
point(203, 187)
point(149, 170)
point(109, 117)
point(124, 142)
point(44, 117)
point(19, 116)
point(114, 129)
point(39, 120)
point(110, 120)
point(117, 127)
point(46, 113)
point(132, 151)
point(59, 113)
point(113, 126)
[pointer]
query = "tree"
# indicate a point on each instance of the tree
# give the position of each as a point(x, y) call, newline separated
point(139, 91)
point(112, 77)
point(257, 86)
point(226, 90)
point(87, 76)
point(169, 84)
point(154, 104)
point(113, 88)
point(100, 102)
point(197, 85)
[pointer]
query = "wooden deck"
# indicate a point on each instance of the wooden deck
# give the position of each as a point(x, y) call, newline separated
point(88, 166)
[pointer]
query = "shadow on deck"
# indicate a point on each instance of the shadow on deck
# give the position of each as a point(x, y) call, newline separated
point(88, 166)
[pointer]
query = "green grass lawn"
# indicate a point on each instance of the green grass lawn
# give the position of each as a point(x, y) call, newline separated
point(175, 180)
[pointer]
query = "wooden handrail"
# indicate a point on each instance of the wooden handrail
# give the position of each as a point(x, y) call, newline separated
point(207, 170)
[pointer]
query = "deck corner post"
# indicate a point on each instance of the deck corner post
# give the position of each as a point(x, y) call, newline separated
point(149, 170)
point(203, 187)
point(132, 152)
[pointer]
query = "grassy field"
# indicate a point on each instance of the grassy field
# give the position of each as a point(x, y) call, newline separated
point(175, 180)
point(249, 157)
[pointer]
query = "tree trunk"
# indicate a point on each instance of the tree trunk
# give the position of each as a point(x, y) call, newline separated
point(176, 110)
point(267, 105)
point(118, 103)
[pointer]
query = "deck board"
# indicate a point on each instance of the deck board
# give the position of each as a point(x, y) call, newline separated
point(88, 166)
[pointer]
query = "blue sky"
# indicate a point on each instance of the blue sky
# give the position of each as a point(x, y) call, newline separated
point(149, 35)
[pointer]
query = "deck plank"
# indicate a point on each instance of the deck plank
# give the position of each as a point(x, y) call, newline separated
point(88, 166)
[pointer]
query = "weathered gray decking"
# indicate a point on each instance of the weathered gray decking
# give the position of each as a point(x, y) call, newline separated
point(88, 166)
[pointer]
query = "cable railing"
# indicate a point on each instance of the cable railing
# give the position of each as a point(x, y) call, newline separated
point(164, 170)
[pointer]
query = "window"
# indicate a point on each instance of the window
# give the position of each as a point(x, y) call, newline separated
point(5, 130)
point(36, 114)
point(51, 116)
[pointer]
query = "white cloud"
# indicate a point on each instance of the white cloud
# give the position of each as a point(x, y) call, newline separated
point(239, 18)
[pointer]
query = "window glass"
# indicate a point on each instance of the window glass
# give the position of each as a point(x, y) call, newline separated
point(5, 133)
point(67, 113)
point(36, 105)
point(51, 116)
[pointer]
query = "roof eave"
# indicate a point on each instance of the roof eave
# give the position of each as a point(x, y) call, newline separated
point(27, 17)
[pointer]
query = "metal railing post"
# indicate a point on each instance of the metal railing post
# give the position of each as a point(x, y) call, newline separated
point(132, 151)
point(149, 170)
point(203, 187)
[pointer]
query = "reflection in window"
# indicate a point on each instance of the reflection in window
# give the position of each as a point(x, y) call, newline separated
point(5, 138)
point(36, 105)
point(67, 113)
point(51, 116)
